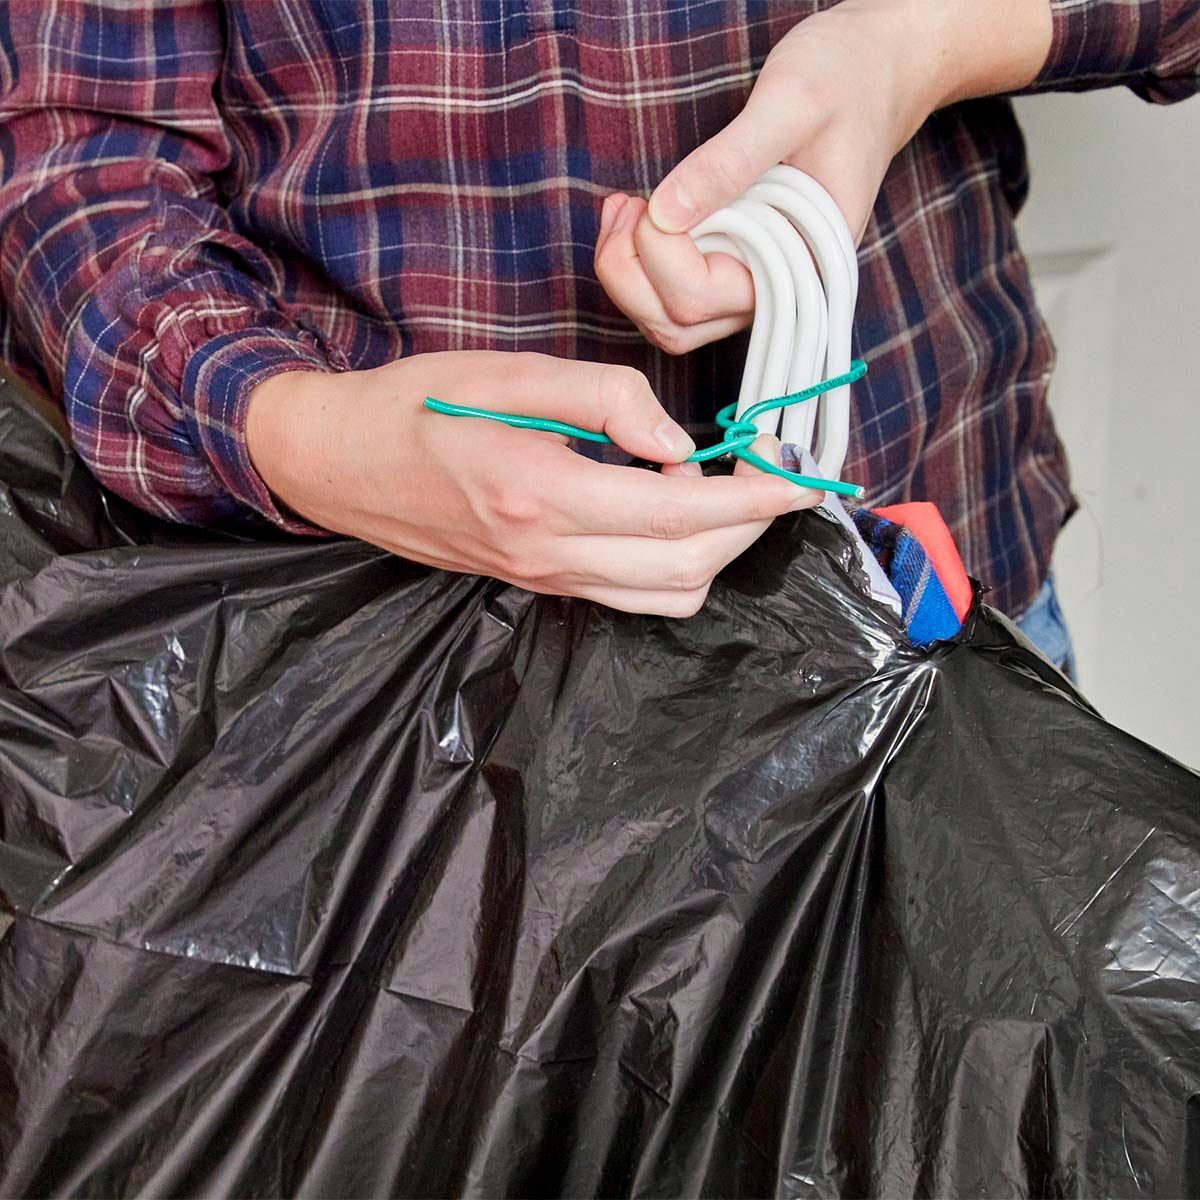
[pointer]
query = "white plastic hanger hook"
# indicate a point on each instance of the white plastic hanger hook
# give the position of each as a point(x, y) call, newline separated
point(792, 237)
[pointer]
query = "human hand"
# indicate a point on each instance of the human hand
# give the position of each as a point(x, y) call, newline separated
point(837, 97)
point(357, 453)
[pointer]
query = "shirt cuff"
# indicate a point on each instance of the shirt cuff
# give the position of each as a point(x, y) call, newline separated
point(1094, 43)
point(217, 383)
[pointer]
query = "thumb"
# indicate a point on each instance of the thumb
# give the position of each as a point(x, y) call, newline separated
point(723, 168)
point(605, 397)
point(767, 446)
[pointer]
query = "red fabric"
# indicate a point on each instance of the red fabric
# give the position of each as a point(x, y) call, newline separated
point(925, 523)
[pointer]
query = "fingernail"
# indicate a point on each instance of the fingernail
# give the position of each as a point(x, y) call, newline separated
point(674, 439)
point(671, 208)
point(806, 498)
point(613, 204)
point(621, 216)
point(690, 468)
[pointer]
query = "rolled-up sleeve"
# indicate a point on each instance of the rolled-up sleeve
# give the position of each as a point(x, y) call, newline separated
point(123, 280)
point(1149, 46)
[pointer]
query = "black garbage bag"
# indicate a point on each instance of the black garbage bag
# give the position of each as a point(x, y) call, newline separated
point(324, 874)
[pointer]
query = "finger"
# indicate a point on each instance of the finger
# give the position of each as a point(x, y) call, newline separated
point(623, 277)
point(692, 287)
point(659, 604)
point(666, 602)
point(602, 397)
point(648, 564)
point(769, 447)
point(687, 564)
point(621, 273)
point(600, 498)
point(607, 398)
point(608, 212)
point(720, 170)
point(682, 339)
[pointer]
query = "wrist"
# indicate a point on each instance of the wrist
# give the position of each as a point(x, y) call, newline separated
point(981, 47)
point(279, 421)
point(951, 50)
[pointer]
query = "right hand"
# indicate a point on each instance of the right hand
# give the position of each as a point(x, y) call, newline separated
point(357, 453)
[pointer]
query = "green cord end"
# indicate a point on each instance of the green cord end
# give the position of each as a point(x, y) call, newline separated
point(853, 491)
point(837, 486)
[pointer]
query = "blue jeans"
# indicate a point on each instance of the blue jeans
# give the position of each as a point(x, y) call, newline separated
point(1046, 627)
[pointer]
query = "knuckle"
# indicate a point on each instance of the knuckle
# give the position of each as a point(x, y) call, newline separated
point(528, 362)
point(685, 307)
point(623, 387)
point(515, 507)
point(605, 260)
point(669, 339)
point(729, 164)
point(670, 521)
point(527, 569)
point(687, 604)
point(691, 573)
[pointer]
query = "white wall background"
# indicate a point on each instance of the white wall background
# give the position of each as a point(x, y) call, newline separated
point(1113, 232)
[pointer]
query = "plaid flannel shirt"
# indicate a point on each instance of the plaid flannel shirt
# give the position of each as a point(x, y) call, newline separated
point(196, 194)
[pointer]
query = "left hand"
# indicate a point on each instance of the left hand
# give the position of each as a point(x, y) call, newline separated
point(838, 97)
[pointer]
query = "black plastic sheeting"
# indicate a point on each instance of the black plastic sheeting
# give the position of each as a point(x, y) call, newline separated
point(328, 875)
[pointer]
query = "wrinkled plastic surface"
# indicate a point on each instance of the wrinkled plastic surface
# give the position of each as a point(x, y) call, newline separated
point(328, 875)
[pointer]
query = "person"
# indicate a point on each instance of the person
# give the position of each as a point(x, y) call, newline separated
point(243, 239)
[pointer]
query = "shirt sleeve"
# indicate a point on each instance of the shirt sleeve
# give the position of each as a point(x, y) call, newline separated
point(122, 276)
point(1149, 46)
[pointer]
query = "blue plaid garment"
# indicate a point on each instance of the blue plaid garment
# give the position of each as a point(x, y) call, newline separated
point(926, 609)
point(198, 194)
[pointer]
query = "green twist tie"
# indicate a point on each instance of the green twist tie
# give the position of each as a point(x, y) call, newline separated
point(739, 435)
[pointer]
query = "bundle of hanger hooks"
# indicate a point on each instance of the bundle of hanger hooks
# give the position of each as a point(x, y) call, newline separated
point(803, 306)
point(792, 237)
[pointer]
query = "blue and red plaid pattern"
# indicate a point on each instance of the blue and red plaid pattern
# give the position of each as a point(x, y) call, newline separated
point(198, 193)
point(926, 609)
